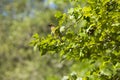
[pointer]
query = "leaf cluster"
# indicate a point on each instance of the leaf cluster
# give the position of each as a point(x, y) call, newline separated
point(91, 33)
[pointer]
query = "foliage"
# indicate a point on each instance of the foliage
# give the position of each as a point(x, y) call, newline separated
point(91, 36)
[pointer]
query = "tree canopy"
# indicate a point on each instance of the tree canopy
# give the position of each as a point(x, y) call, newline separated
point(88, 34)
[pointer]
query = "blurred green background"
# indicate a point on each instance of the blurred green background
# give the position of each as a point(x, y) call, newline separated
point(19, 20)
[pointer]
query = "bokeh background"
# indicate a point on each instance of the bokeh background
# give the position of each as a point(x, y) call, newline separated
point(19, 20)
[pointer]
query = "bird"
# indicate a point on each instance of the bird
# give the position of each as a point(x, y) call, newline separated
point(56, 32)
point(52, 28)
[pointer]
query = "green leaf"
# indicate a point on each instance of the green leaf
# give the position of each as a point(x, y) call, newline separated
point(58, 14)
point(36, 36)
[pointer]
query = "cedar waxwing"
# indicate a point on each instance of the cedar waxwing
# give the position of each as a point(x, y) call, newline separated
point(56, 32)
point(52, 28)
